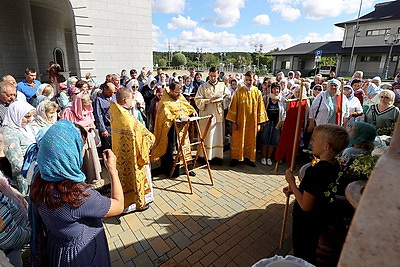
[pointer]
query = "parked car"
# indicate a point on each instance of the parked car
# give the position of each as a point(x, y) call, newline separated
point(325, 70)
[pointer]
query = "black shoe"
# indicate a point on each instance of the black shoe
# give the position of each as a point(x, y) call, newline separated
point(192, 173)
point(217, 161)
point(249, 162)
point(233, 163)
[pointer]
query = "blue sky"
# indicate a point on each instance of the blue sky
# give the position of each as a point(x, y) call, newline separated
point(237, 25)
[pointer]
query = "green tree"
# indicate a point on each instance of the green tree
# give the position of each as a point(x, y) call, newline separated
point(210, 59)
point(179, 59)
point(266, 60)
point(162, 63)
point(328, 61)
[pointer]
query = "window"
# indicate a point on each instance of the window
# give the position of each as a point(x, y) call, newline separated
point(378, 32)
point(285, 65)
point(59, 57)
point(371, 58)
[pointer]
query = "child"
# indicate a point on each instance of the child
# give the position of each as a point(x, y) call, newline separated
point(246, 112)
point(314, 198)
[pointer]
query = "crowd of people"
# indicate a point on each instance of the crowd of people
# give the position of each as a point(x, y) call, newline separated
point(54, 135)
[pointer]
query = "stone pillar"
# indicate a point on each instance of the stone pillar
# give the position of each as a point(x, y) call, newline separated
point(17, 42)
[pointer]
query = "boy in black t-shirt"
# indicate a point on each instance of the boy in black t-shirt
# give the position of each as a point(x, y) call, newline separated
point(314, 197)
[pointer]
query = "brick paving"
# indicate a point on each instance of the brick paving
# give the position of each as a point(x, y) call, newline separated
point(235, 222)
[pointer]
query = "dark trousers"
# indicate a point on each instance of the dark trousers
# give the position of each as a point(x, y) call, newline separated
point(106, 141)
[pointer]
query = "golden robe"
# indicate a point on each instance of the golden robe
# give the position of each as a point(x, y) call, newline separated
point(247, 110)
point(168, 110)
point(131, 143)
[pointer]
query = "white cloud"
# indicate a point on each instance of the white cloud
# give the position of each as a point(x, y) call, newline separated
point(228, 12)
point(224, 41)
point(318, 9)
point(181, 22)
point(286, 9)
point(157, 34)
point(335, 35)
point(262, 20)
point(168, 6)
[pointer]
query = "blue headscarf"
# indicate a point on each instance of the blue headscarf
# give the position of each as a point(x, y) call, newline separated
point(60, 153)
point(372, 89)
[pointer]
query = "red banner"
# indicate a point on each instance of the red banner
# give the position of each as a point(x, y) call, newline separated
point(285, 145)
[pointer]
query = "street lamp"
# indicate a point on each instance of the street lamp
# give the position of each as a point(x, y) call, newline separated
point(199, 51)
point(222, 60)
point(390, 39)
point(258, 49)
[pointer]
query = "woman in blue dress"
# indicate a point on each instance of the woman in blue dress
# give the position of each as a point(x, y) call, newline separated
point(69, 208)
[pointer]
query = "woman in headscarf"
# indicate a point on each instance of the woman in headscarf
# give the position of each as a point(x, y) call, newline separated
point(46, 114)
point(81, 112)
point(354, 105)
point(45, 91)
point(362, 136)
point(70, 209)
point(371, 92)
point(324, 107)
point(18, 135)
point(138, 104)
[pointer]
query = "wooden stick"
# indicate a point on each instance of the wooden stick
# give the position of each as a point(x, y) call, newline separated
point(291, 100)
point(293, 161)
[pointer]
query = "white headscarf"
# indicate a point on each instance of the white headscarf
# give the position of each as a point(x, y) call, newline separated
point(40, 90)
point(15, 113)
point(41, 116)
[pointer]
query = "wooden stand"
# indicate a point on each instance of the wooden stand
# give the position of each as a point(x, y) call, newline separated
point(182, 148)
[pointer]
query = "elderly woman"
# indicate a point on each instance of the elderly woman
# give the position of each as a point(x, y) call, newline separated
point(18, 135)
point(46, 115)
point(276, 111)
point(81, 112)
point(70, 209)
point(384, 114)
point(354, 106)
point(138, 104)
point(324, 107)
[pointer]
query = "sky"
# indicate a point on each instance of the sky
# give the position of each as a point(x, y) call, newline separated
point(238, 25)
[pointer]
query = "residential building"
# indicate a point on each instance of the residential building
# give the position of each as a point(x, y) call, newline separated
point(370, 53)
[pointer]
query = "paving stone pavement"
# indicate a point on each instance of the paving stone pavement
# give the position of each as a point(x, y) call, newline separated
point(235, 222)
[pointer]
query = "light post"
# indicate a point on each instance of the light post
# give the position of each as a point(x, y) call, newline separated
point(258, 49)
point(199, 51)
point(222, 60)
point(390, 39)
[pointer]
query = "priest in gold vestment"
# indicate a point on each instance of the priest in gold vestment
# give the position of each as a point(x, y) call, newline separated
point(247, 112)
point(173, 105)
point(131, 143)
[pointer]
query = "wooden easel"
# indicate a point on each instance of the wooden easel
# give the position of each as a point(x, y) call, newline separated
point(180, 157)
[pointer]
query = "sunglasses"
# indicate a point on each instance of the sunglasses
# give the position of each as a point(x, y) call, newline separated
point(135, 86)
point(318, 89)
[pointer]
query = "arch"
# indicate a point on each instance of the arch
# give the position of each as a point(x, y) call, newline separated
point(58, 57)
